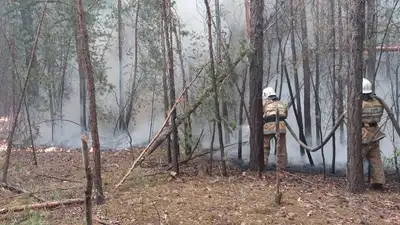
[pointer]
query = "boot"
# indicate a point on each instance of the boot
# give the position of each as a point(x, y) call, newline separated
point(377, 187)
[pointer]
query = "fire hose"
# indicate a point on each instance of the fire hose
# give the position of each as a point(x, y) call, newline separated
point(323, 142)
point(341, 118)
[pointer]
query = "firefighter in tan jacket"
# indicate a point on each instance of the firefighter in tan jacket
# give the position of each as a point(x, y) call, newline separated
point(271, 104)
point(372, 111)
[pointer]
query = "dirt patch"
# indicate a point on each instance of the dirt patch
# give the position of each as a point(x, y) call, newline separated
point(152, 196)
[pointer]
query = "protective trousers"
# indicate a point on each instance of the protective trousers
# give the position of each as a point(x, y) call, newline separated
point(281, 152)
point(372, 153)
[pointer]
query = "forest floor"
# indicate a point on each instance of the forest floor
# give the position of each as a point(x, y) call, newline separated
point(151, 195)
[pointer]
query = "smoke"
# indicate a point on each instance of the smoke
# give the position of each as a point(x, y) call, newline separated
point(193, 19)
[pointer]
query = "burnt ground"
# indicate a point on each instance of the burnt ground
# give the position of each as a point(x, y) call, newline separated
point(152, 196)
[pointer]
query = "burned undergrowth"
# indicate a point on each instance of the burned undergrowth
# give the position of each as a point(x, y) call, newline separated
point(153, 195)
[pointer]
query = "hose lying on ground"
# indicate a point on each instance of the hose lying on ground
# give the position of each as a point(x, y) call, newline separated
point(325, 140)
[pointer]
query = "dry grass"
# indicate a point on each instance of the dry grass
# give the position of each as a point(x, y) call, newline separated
point(152, 197)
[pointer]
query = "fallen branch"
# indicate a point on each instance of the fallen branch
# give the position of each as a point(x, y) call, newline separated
point(41, 191)
point(58, 178)
point(165, 131)
point(202, 154)
point(298, 177)
point(158, 133)
point(20, 191)
point(45, 205)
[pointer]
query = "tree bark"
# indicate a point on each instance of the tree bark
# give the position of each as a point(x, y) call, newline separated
point(167, 22)
point(89, 179)
point(334, 96)
point(82, 85)
point(296, 75)
point(122, 123)
point(84, 51)
point(372, 20)
point(255, 83)
point(340, 95)
point(306, 72)
point(355, 174)
point(187, 125)
point(130, 109)
point(165, 84)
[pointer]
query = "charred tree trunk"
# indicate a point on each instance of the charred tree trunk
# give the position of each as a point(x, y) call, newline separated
point(167, 24)
point(306, 72)
point(85, 56)
point(355, 174)
point(215, 90)
point(256, 8)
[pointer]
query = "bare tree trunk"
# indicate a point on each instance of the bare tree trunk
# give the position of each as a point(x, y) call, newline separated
point(340, 95)
point(317, 72)
point(296, 75)
point(84, 51)
point(397, 113)
point(167, 22)
point(27, 24)
point(89, 179)
point(82, 86)
point(215, 89)
point(355, 174)
point(165, 85)
point(130, 109)
point(306, 72)
point(187, 127)
point(225, 113)
point(6, 163)
point(256, 10)
point(122, 123)
point(62, 89)
point(371, 21)
point(241, 113)
point(334, 97)
point(28, 117)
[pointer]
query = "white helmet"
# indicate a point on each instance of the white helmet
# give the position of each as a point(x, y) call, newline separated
point(268, 92)
point(366, 86)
